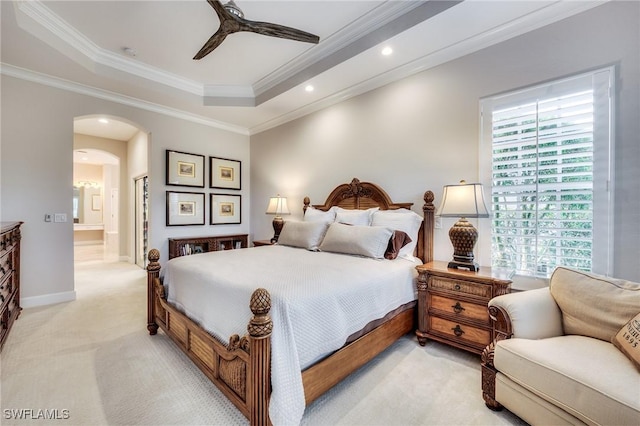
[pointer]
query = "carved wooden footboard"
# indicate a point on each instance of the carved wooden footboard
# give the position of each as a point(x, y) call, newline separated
point(502, 330)
point(241, 369)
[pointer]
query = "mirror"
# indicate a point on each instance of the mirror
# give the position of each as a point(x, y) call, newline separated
point(87, 205)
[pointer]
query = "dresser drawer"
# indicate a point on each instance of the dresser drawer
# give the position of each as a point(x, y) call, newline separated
point(459, 286)
point(6, 266)
point(459, 308)
point(462, 333)
point(6, 288)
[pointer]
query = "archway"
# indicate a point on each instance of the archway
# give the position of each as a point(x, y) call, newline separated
point(118, 148)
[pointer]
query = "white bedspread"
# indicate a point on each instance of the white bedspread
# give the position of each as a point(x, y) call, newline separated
point(318, 300)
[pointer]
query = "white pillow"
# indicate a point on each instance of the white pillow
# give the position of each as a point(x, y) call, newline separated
point(401, 220)
point(316, 215)
point(355, 217)
point(359, 240)
point(307, 235)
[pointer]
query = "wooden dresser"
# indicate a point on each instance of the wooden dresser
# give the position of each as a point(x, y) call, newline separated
point(9, 277)
point(193, 245)
point(452, 305)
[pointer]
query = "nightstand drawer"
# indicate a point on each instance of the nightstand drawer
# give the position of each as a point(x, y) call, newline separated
point(459, 286)
point(459, 308)
point(460, 332)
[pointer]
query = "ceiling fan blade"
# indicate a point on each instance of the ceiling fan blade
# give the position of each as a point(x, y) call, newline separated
point(231, 23)
point(275, 30)
point(211, 44)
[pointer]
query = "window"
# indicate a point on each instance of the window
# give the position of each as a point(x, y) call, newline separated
point(546, 155)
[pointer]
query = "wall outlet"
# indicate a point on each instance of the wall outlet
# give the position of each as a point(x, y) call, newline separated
point(438, 224)
point(47, 217)
point(60, 217)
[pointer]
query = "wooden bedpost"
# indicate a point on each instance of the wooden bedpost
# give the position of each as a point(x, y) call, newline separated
point(153, 272)
point(429, 211)
point(260, 328)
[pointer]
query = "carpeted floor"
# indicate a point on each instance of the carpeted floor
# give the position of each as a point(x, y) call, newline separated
point(92, 362)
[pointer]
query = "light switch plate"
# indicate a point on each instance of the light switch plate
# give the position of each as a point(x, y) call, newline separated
point(60, 217)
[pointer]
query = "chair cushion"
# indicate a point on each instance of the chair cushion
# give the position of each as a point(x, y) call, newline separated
point(593, 305)
point(587, 377)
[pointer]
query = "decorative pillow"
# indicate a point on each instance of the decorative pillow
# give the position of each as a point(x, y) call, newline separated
point(368, 241)
point(307, 235)
point(628, 340)
point(593, 305)
point(355, 217)
point(316, 215)
point(401, 220)
point(398, 240)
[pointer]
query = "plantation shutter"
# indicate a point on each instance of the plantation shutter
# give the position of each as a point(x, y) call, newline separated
point(550, 165)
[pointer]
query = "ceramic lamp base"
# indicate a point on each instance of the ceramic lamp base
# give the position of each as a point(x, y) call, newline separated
point(463, 236)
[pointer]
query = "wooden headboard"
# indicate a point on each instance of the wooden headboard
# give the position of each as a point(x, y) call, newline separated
point(364, 195)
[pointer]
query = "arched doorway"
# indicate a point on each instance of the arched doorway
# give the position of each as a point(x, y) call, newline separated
point(117, 148)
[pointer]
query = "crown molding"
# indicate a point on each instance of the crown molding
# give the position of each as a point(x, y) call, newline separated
point(374, 19)
point(340, 45)
point(542, 17)
point(71, 37)
point(58, 83)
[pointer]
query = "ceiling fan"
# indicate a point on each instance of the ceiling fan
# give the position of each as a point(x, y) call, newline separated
point(232, 21)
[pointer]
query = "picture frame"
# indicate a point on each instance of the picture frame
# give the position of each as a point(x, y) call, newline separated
point(185, 208)
point(184, 169)
point(225, 173)
point(225, 209)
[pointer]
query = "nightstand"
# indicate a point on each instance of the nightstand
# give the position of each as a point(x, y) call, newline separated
point(258, 243)
point(452, 305)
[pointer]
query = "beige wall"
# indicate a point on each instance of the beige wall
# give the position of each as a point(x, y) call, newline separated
point(36, 172)
point(423, 132)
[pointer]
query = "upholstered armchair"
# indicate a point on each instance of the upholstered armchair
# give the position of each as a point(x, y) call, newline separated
point(553, 361)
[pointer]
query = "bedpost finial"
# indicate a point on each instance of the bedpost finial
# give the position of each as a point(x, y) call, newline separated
point(429, 197)
point(153, 256)
point(260, 302)
point(260, 325)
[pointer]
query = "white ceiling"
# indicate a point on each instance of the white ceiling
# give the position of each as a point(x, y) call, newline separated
point(78, 45)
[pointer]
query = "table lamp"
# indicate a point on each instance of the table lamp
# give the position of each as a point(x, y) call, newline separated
point(463, 200)
point(278, 207)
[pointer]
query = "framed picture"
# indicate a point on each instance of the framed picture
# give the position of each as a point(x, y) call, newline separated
point(225, 209)
point(185, 169)
point(225, 173)
point(185, 208)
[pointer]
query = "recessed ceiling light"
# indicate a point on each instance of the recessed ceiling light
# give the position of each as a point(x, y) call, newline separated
point(387, 51)
point(103, 120)
point(309, 88)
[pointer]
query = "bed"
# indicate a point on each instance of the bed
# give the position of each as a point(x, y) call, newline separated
point(243, 367)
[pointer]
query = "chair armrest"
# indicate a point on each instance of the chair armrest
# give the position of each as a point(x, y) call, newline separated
point(533, 314)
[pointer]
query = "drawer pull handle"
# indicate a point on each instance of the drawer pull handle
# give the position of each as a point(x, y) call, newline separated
point(457, 330)
point(457, 308)
point(456, 287)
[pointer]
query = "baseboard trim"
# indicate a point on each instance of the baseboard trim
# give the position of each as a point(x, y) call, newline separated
point(47, 299)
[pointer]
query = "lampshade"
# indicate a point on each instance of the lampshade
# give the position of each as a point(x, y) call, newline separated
point(278, 206)
point(463, 200)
